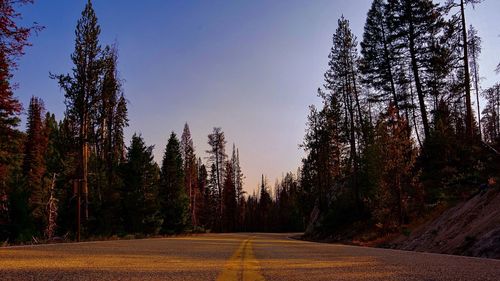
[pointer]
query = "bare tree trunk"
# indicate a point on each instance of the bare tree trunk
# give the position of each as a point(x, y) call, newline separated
point(477, 101)
point(468, 104)
point(414, 117)
point(418, 84)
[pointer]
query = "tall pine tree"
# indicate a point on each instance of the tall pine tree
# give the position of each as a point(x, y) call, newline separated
point(34, 166)
point(413, 26)
point(190, 170)
point(230, 208)
point(141, 213)
point(217, 157)
point(341, 80)
point(378, 55)
point(82, 93)
point(174, 201)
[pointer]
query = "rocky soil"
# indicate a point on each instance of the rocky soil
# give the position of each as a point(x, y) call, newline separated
point(470, 228)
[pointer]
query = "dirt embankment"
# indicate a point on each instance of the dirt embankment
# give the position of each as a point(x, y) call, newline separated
point(470, 228)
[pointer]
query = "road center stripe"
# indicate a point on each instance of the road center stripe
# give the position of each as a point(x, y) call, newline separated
point(242, 265)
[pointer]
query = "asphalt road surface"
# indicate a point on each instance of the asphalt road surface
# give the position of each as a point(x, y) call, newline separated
point(224, 257)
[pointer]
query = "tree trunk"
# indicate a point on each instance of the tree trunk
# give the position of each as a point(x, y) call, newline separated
point(476, 82)
point(468, 114)
point(418, 83)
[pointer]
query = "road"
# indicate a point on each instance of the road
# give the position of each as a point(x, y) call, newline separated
point(225, 257)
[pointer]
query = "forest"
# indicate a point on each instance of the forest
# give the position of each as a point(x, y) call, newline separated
point(403, 127)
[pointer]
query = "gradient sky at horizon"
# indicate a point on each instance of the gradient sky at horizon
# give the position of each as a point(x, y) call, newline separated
point(250, 67)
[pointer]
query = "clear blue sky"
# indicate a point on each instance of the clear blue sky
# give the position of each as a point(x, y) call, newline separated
point(250, 67)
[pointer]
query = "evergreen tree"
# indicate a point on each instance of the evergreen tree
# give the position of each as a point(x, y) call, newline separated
point(53, 157)
point(446, 161)
point(341, 81)
point(251, 222)
point(230, 208)
point(491, 115)
point(173, 199)
point(395, 180)
point(204, 203)
point(378, 55)
point(10, 108)
point(323, 143)
point(189, 161)
point(238, 184)
point(287, 199)
point(34, 167)
point(212, 200)
point(110, 121)
point(413, 26)
point(120, 122)
point(82, 91)
point(217, 157)
point(264, 206)
point(140, 189)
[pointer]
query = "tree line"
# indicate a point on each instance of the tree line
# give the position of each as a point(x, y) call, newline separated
point(396, 133)
point(77, 176)
point(399, 131)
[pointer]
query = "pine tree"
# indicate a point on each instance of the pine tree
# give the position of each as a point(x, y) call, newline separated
point(286, 204)
point(174, 201)
point(323, 143)
point(341, 81)
point(413, 26)
point(189, 161)
point(230, 208)
point(34, 167)
point(378, 54)
point(217, 156)
point(110, 121)
point(251, 222)
point(491, 115)
point(82, 91)
point(212, 200)
point(238, 183)
point(264, 206)
point(446, 160)
point(53, 157)
point(141, 213)
point(120, 122)
point(10, 108)
point(204, 202)
point(395, 181)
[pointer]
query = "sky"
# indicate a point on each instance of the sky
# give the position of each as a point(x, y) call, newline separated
point(250, 67)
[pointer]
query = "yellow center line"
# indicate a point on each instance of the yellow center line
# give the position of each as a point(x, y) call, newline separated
point(242, 265)
point(251, 268)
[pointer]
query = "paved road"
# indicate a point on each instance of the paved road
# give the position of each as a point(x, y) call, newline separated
point(225, 257)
